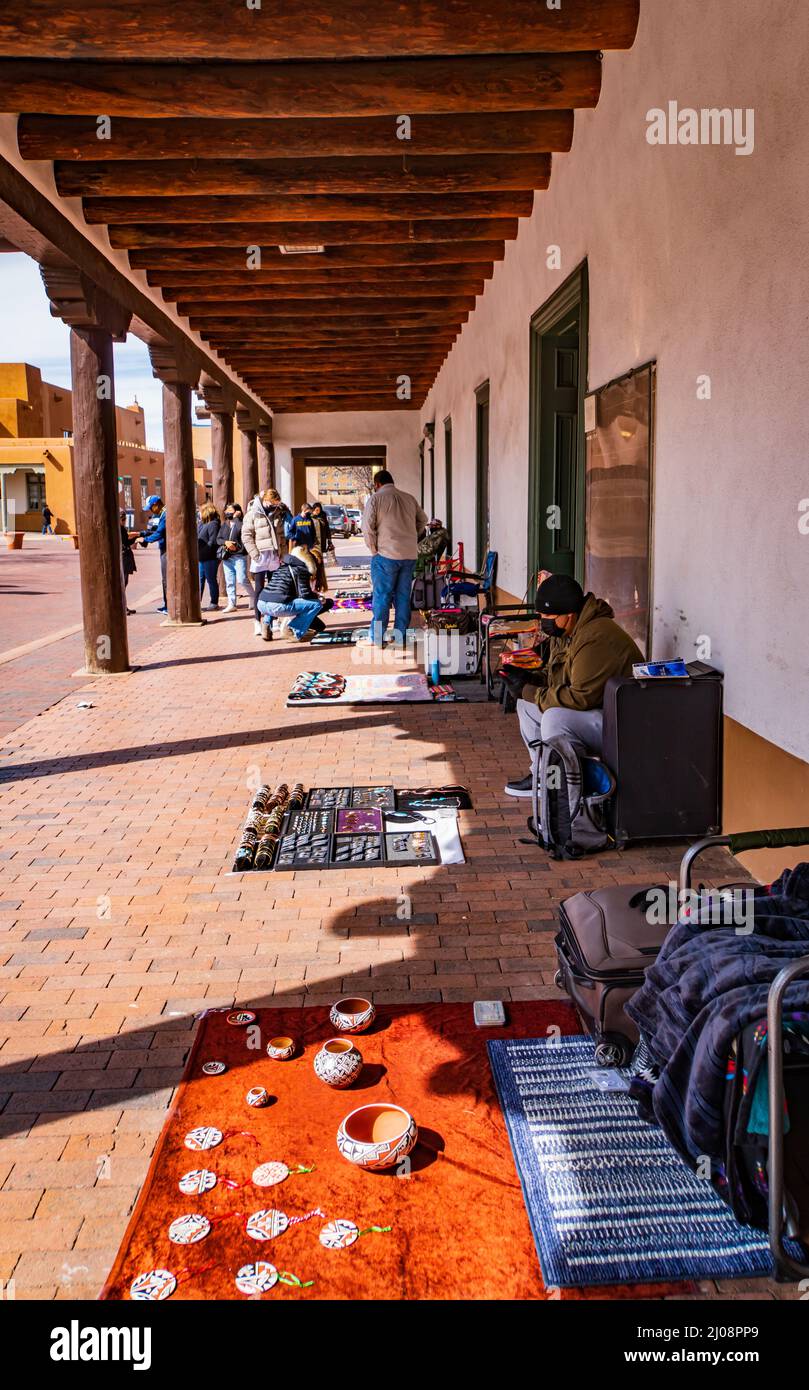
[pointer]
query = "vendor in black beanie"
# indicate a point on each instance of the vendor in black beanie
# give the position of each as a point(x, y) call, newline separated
point(587, 647)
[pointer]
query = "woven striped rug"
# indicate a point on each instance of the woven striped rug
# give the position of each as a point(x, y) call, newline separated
point(609, 1200)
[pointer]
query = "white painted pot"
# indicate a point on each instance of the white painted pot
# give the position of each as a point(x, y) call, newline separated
point(352, 1015)
point(377, 1136)
point(338, 1063)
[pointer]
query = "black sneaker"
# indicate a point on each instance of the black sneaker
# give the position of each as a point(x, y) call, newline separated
point(522, 788)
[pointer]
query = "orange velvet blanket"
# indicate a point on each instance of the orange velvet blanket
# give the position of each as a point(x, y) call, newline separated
point(458, 1224)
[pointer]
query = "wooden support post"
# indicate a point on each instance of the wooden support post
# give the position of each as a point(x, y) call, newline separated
point(248, 431)
point(94, 321)
point(222, 458)
point(182, 565)
point(266, 457)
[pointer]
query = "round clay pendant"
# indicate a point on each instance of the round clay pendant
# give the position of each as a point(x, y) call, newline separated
point(203, 1137)
point(256, 1278)
point(265, 1225)
point(270, 1174)
point(187, 1230)
point(213, 1068)
point(153, 1286)
point(240, 1017)
point(197, 1181)
point(338, 1235)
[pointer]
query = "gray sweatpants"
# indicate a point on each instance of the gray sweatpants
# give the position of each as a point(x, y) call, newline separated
point(581, 727)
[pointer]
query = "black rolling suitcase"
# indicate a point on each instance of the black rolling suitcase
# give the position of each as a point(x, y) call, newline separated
point(663, 744)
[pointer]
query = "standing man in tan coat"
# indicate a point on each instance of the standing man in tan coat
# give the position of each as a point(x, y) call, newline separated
point(392, 524)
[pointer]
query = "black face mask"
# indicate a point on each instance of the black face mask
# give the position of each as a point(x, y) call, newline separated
point(550, 629)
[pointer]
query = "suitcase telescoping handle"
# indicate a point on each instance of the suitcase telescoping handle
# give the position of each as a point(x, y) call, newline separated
point(739, 844)
point(785, 1266)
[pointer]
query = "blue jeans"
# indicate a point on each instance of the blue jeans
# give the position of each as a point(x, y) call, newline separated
point(235, 568)
point(304, 611)
point(47, 529)
point(392, 582)
point(208, 574)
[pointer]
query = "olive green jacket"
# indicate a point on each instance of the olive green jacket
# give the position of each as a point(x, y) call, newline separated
point(579, 666)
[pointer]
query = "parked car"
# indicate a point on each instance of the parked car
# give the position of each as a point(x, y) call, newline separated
point(355, 517)
point(339, 521)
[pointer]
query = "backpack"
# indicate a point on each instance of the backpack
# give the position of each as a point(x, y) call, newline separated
point(570, 795)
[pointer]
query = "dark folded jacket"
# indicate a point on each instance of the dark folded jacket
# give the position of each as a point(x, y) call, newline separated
point(290, 581)
point(232, 531)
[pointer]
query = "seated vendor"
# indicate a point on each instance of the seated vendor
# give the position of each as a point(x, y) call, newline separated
point(565, 697)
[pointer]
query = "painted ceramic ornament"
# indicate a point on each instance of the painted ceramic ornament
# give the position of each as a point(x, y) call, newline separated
point(338, 1235)
point(197, 1181)
point(187, 1230)
point(266, 1225)
point(257, 1097)
point(213, 1068)
point(153, 1286)
point(352, 1015)
point(256, 1278)
point(377, 1136)
point(241, 1017)
point(281, 1049)
point(338, 1063)
point(203, 1137)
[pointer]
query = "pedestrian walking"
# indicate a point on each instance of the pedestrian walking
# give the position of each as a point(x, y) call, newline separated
point(234, 557)
point(47, 520)
point(127, 554)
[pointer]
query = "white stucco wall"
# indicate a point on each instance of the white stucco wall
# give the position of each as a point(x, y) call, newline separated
point(698, 258)
point(398, 430)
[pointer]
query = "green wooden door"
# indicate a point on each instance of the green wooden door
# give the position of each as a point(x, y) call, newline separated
point(482, 528)
point(448, 477)
point(556, 489)
point(558, 451)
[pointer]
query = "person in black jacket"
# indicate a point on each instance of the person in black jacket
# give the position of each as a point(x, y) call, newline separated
point(289, 593)
point(234, 560)
point(208, 546)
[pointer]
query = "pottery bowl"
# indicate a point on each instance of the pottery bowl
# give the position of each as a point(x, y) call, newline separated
point(377, 1136)
point(258, 1097)
point(338, 1063)
point(352, 1015)
point(281, 1049)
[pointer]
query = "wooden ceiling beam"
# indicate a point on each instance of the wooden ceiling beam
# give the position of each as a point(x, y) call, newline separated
point(354, 28)
point(74, 138)
point(401, 173)
point(254, 311)
point(494, 82)
point(244, 234)
point(395, 318)
point(232, 258)
point(307, 405)
point(322, 207)
point(276, 279)
point(233, 294)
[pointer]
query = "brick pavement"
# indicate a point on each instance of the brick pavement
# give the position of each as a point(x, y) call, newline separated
point(119, 919)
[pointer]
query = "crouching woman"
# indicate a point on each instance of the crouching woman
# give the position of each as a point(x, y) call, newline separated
point(289, 594)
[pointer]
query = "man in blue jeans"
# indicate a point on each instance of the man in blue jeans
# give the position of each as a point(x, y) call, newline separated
point(392, 523)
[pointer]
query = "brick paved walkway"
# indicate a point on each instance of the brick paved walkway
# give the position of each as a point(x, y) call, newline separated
point(119, 920)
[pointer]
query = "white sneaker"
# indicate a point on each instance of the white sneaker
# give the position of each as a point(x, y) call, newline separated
point(283, 625)
point(229, 608)
point(257, 630)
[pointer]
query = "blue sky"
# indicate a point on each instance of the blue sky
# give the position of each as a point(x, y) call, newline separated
point(28, 333)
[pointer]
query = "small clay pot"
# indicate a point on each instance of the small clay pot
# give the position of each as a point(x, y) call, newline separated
point(257, 1097)
point(352, 1015)
point(377, 1136)
point(281, 1049)
point(338, 1063)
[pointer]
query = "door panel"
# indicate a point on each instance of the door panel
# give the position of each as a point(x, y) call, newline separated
point(559, 450)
